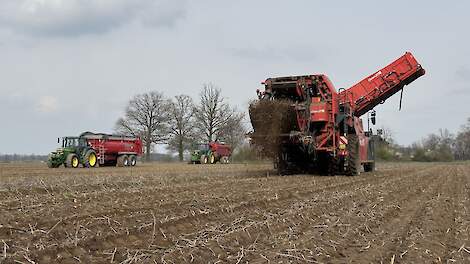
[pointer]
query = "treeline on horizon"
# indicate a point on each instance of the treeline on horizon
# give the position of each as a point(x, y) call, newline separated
point(441, 146)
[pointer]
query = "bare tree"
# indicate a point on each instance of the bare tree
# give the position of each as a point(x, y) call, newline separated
point(234, 131)
point(216, 120)
point(181, 124)
point(146, 116)
point(462, 142)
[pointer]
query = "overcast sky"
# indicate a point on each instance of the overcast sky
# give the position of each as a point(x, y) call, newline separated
point(68, 66)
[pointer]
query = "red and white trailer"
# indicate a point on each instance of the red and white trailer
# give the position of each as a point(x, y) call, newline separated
point(114, 150)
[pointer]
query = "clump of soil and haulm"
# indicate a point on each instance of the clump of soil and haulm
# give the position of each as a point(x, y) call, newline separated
point(272, 120)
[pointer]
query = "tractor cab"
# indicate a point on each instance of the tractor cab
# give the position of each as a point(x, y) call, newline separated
point(73, 152)
point(74, 142)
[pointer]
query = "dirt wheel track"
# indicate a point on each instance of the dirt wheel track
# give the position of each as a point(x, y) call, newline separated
point(234, 213)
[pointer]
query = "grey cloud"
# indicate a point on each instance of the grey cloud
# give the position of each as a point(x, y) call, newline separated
point(78, 17)
point(463, 74)
point(276, 54)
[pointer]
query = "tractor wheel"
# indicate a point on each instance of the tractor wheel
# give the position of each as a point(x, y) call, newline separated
point(353, 160)
point(72, 161)
point(212, 159)
point(368, 167)
point(122, 161)
point(52, 165)
point(90, 159)
point(204, 159)
point(132, 160)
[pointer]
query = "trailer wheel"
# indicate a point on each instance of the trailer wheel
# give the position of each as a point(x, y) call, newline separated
point(90, 159)
point(353, 159)
point(123, 160)
point(132, 160)
point(72, 161)
point(224, 160)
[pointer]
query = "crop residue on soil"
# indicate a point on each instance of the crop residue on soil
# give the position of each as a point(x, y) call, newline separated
point(271, 119)
point(181, 213)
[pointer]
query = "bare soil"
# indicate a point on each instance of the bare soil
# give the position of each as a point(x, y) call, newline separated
point(175, 213)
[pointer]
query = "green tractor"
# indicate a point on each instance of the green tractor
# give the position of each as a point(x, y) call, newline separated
point(74, 151)
point(210, 153)
point(200, 154)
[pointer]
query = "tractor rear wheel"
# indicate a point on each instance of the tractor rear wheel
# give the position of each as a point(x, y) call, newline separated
point(132, 160)
point(212, 159)
point(353, 160)
point(123, 160)
point(90, 159)
point(72, 161)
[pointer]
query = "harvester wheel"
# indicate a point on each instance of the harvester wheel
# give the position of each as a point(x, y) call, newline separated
point(132, 160)
point(369, 166)
point(353, 159)
point(90, 159)
point(281, 164)
point(333, 166)
point(123, 160)
point(72, 161)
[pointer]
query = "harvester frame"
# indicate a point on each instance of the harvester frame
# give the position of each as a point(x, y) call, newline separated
point(326, 133)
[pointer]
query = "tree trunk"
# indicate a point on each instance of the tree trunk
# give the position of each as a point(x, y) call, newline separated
point(147, 150)
point(180, 149)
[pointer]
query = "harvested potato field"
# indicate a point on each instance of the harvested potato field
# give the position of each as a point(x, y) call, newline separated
point(170, 213)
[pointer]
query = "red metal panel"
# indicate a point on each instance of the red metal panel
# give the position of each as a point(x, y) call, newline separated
point(382, 84)
point(114, 146)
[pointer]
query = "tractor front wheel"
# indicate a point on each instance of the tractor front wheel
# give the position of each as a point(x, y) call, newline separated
point(50, 164)
point(204, 159)
point(90, 159)
point(72, 161)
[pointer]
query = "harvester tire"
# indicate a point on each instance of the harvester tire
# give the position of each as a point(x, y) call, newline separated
point(368, 167)
point(353, 159)
point(122, 161)
point(132, 160)
point(91, 160)
point(333, 166)
point(72, 161)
